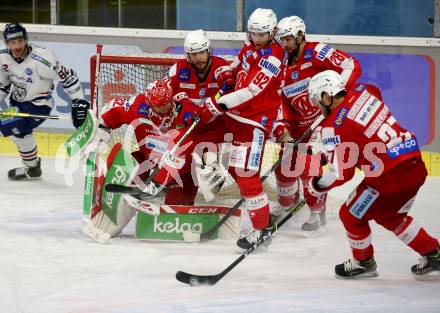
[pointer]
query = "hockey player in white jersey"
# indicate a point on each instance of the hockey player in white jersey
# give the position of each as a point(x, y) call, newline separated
point(27, 73)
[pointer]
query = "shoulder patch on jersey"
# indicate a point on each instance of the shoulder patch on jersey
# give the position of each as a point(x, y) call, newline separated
point(270, 66)
point(322, 52)
point(340, 116)
point(360, 87)
point(143, 109)
point(264, 51)
point(184, 74)
point(41, 60)
point(308, 54)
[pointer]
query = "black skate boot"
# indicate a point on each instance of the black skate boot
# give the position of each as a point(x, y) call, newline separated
point(255, 236)
point(26, 172)
point(314, 226)
point(352, 269)
point(428, 267)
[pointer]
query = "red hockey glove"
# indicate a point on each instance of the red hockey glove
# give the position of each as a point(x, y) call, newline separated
point(314, 196)
point(210, 110)
point(278, 131)
point(225, 75)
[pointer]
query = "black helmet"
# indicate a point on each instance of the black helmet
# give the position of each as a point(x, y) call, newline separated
point(14, 31)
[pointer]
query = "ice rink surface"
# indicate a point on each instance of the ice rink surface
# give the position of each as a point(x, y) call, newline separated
point(48, 266)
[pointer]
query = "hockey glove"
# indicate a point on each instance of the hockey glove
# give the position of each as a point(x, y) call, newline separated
point(210, 110)
point(225, 75)
point(183, 99)
point(314, 195)
point(79, 111)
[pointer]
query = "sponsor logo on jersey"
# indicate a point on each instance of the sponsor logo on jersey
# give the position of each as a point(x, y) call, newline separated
point(405, 147)
point(212, 85)
point(256, 149)
point(340, 116)
point(264, 51)
point(188, 86)
point(264, 63)
point(294, 75)
point(143, 109)
point(331, 141)
point(306, 65)
point(367, 111)
point(28, 71)
point(360, 87)
point(202, 92)
point(377, 122)
point(363, 203)
point(296, 88)
point(41, 60)
point(184, 74)
point(156, 145)
point(358, 104)
point(323, 52)
point(308, 54)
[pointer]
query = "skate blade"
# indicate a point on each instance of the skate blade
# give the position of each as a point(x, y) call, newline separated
point(360, 276)
point(434, 275)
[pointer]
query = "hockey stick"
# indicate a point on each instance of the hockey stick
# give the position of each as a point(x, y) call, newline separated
point(28, 115)
point(195, 237)
point(134, 190)
point(198, 280)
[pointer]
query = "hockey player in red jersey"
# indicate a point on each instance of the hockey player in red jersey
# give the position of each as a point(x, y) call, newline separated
point(360, 132)
point(304, 59)
point(201, 75)
point(156, 117)
point(248, 113)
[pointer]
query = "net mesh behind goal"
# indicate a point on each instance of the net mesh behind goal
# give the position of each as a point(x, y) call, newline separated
point(127, 76)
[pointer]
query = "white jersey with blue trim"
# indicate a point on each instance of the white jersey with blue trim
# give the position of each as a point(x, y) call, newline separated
point(33, 78)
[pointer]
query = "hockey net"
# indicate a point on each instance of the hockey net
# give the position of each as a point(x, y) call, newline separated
point(127, 76)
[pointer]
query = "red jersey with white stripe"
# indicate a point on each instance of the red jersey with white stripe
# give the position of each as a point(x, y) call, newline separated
point(256, 97)
point(183, 77)
point(362, 125)
point(297, 111)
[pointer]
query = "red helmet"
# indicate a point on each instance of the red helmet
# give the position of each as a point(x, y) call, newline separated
point(159, 93)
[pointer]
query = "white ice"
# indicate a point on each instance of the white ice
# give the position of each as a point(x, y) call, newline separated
point(48, 266)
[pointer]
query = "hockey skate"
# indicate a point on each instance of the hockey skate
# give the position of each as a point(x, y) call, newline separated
point(254, 236)
point(314, 226)
point(428, 267)
point(353, 269)
point(26, 172)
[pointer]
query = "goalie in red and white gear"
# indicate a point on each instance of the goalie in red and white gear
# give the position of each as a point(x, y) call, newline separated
point(304, 59)
point(158, 120)
point(248, 113)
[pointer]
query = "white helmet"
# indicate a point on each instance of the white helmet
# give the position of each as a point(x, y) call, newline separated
point(290, 26)
point(262, 21)
point(196, 41)
point(328, 81)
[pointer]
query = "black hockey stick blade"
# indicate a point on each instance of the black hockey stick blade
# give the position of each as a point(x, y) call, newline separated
point(209, 280)
point(123, 189)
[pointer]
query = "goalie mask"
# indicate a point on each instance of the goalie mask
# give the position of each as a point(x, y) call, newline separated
point(159, 98)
